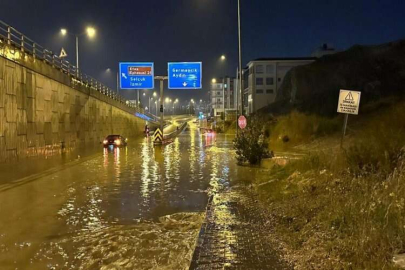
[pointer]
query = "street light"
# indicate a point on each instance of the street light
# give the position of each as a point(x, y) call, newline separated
point(90, 31)
point(214, 80)
point(223, 58)
point(108, 71)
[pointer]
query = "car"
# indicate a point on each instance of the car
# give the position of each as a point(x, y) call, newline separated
point(115, 140)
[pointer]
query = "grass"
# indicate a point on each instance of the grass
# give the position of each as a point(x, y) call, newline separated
point(341, 209)
point(300, 128)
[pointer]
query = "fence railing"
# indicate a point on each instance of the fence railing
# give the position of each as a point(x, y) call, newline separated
point(14, 38)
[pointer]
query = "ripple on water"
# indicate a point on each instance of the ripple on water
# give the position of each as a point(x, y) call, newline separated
point(166, 244)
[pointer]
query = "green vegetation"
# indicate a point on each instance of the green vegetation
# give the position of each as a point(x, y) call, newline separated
point(341, 209)
point(250, 144)
point(297, 128)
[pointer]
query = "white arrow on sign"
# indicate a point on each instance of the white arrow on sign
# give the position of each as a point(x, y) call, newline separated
point(184, 84)
point(124, 76)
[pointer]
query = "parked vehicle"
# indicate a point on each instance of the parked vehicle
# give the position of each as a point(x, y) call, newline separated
point(115, 140)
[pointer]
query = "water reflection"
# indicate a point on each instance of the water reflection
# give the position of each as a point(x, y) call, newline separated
point(113, 205)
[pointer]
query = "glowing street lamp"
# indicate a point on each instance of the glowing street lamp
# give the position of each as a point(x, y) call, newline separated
point(90, 32)
point(214, 80)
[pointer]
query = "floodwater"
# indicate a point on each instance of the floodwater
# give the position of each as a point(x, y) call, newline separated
point(139, 207)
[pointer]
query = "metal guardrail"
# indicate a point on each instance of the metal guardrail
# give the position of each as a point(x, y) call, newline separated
point(14, 38)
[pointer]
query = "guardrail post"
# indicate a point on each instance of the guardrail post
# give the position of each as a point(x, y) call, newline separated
point(22, 43)
point(33, 50)
point(53, 61)
point(8, 35)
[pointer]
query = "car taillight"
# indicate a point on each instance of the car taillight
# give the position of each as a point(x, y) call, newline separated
point(117, 142)
point(105, 141)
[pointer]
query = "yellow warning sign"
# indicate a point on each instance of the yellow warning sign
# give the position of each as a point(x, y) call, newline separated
point(63, 53)
point(158, 135)
point(349, 102)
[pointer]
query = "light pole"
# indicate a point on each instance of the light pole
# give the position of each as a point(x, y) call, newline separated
point(223, 58)
point(240, 59)
point(90, 32)
point(108, 70)
point(175, 102)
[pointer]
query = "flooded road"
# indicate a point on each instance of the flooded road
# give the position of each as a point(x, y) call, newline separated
point(138, 207)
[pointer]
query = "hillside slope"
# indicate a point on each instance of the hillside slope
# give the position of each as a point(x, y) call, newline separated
point(376, 71)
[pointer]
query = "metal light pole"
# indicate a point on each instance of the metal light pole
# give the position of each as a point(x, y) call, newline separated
point(240, 58)
point(77, 56)
point(161, 78)
point(223, 58)
point(118, 78)
point(90, 31)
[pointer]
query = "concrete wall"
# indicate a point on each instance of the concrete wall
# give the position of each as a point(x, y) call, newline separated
point(40, 110)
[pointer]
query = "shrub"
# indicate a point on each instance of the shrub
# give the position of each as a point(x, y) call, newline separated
point(250, 144)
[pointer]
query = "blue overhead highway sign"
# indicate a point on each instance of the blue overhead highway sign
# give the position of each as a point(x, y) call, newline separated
point(136, 75)
point(184, 75)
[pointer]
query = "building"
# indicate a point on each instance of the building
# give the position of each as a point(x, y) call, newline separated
point(223, 89)
point(324, 49)
point(263, 77)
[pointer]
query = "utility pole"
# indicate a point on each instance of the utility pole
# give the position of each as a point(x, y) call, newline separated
point(161, 78)
point(117, 84)
point(240, 58)
point(77, 56)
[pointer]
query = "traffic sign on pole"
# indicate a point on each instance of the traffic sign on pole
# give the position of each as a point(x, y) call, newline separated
point(349, 102)
point(135, 75)
point(158, 136)
point(184, 75)
point(63, 53)
point(242, 122)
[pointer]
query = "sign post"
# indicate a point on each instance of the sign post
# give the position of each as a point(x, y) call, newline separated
point(349, 102)
point(158, 136)
point(161, 78)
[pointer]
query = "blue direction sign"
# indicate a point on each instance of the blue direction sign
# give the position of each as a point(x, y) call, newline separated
point(184, 75)
point(136, 75)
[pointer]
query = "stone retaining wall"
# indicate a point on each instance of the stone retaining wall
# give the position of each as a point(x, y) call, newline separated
point(43, 111)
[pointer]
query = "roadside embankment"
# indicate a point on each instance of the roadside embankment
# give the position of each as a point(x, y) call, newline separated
point(338, 208)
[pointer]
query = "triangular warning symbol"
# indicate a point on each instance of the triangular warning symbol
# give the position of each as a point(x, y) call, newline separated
point(349, 96)
point(62, 53)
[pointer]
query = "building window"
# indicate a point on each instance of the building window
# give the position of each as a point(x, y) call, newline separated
point(218, 93)
point(279, 79)
point(259, 69)
point(259, 91)
point(259, 81)
point(269, 91)
point(269, 69)
point(269, 81)
point(245, 80)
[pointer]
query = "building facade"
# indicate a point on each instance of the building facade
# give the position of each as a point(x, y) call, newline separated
point(223, 97)
point(263, 77)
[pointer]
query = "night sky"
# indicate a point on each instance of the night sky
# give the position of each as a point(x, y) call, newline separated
point(201, 30)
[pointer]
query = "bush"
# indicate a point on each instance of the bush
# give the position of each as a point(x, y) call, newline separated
point(250, 144)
